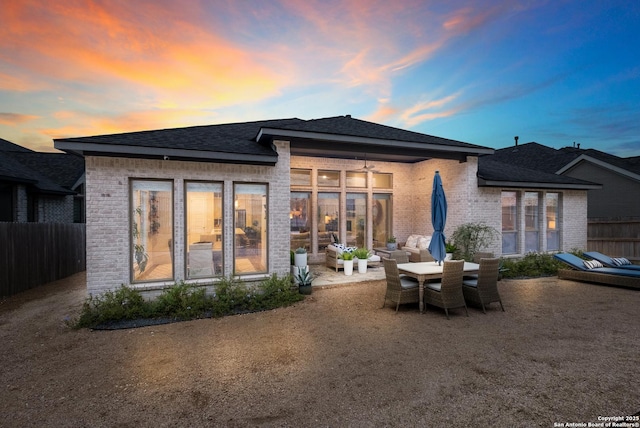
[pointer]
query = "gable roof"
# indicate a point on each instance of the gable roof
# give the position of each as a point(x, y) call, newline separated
point(531, 159)
point(252, 142)
point(494, 173)
point(51, 173)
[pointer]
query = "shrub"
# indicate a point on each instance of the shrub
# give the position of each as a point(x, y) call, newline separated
point(361, 253)
point(274, 292)
point(124, 303)
point(531, 265)
point(182, 301)
point(472, 237)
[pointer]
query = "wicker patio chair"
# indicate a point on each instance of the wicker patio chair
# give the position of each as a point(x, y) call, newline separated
point(399, 289)
point(447, 294)
point(484, 289)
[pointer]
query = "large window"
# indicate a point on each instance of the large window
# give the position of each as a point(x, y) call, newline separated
point(300, 177)
point(204, 228)
point(250, 226)
point(553, 221)
point(509, 223)
point(300, 221)
point(328, 218)
point(531, 222)
point(356, 179)
point(381, 215)
point(356, 219)
point(151, 209)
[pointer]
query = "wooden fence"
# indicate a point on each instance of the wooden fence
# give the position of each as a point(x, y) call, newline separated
point(33, 254)
point(616, 238)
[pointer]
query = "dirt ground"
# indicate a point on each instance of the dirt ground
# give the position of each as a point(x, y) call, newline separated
point(563, 352)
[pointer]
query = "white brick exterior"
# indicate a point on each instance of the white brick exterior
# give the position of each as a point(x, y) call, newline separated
point(108, 217)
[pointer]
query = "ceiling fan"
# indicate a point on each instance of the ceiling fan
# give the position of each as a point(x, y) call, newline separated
point(367, 167)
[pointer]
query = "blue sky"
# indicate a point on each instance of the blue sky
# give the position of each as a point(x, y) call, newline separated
point(554, 72)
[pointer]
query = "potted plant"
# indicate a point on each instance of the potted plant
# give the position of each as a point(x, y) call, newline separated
point(362, 254)
point(450, 249)
point(392, 245)
point(347, 259)
point(300, 259)
point(303, 278)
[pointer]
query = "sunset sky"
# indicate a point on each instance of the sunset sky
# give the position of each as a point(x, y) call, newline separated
point(482, 72)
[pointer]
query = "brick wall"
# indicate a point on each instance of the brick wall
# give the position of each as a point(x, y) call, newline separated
point(107, 208)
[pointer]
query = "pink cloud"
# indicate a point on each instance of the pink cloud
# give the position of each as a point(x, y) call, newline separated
point(15, 118)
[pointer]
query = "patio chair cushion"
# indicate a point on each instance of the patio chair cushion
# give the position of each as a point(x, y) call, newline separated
point(434, 285)
point(407, 283)
point(592, 264)
point(470, 282)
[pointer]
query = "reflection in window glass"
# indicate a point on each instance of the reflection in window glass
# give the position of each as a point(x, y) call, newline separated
point(250, 228)
point(553, 222)
point(381, 216)
point(300, 220)
point(301, 177)
point(151, 230)
point(509, 223)
point(356, 219)
point(328, 219)
point(382, 180)
point(356, 179)
point(531, 217)
point(328, 178)
point(204, 229)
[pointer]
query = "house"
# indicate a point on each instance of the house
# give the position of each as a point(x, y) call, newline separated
point(616, 176)
point(40, 187)
point(202, 202)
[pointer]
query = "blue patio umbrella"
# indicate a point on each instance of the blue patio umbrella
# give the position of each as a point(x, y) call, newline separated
point(437, 247)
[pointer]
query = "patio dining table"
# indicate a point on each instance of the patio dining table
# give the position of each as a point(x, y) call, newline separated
point(424, 271)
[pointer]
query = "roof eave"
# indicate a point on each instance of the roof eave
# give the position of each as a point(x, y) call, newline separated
point(536, 185)
point(603, 164)
point(113, 150)
point(399, 144)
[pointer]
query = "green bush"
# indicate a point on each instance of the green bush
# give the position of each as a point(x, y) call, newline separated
point(469, 238)
point(182, 301)
point(124, 303)
point(530, 266)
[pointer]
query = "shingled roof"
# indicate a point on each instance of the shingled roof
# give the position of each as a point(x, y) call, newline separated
point(251, 142)
point(543, 166)
point(52, 173)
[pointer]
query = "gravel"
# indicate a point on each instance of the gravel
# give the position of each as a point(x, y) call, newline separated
point(563, 352)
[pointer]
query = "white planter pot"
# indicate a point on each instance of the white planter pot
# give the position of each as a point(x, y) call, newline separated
point(362, 266)
point(348, 267)
point(448, 256)
point(300, 259)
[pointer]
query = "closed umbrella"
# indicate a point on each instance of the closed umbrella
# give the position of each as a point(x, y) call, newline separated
point(437, 247)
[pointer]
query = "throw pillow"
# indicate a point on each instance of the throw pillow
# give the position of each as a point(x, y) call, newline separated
point(412, 241)
point(339, 247)
point(592, 264)
point(620, 261)
point(423, 242)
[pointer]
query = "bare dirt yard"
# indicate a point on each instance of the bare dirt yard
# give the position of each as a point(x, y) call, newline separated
point(563, 352)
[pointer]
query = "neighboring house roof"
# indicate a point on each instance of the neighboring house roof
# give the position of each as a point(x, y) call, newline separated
point(51, 173)
point(494, 173)
point(251, 142)
point(525, 162)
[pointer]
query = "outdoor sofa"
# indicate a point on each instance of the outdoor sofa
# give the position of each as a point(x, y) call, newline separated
point(601, 275)
point(333, 260)
point(415, 244)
